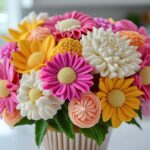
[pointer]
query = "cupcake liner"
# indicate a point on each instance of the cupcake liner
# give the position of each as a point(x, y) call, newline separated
point(59, 141)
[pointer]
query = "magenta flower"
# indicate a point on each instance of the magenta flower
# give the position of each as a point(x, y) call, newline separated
point(7, 49)
point(72, 24)
point(104, 23)
point(9, 80)
point(126, 25)
point(68, 76)
point(142, 80)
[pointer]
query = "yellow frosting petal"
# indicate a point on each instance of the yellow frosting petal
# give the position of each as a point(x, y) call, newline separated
point(104, 104)
point(35, 46)
point(127, 83)
point(119, 83)
point(24, 48)
point(134, 93)
point(132, 105)
point(134, 100)
point(107, 113)
point(48, 44)
point(128, 111)
point(19, 57)
point(102, 85)
point(109, 84)
point(101, 94)
point(130, 89)
point(14, 33)
point(116, 122)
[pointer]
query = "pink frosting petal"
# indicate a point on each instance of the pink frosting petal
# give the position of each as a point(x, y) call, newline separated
point(125, 25)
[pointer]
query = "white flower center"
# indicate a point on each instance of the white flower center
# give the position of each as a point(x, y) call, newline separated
point(68, 25)
point(66, 75)
point(4, 92)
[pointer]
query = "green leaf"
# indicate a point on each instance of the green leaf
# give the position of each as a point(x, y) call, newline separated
point(62, 123)
point(54, 125)
point(139, 114)
point(40, 130)
point(134, 122)
point(25, 121)
point(96, 133)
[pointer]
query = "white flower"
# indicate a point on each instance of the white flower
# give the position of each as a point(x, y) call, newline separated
point(33, 17)
point(110, 54)
point(34, 102)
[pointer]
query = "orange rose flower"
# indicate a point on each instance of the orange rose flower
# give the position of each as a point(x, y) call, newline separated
point(85, 112)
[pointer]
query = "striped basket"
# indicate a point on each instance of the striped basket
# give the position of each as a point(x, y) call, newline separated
point(58, 141)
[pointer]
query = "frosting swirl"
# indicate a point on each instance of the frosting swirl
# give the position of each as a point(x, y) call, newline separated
point(39, 33)
point(85, 112)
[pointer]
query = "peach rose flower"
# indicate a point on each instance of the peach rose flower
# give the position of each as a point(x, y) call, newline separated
point(85, 112)
point(11, 119)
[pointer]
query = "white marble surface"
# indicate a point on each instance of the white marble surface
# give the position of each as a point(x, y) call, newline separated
point(127, 137)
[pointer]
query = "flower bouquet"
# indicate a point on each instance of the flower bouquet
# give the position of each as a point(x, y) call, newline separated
point(74, 77)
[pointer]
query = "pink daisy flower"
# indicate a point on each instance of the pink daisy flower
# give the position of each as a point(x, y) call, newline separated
point(126, 25)
point(7, 49)
point(9, 80)
point(72, 24)
point(67, 76)
point(142, 80)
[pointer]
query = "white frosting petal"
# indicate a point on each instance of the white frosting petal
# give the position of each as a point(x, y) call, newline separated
point(45, 107)
point(32, 17)
point(111, 55)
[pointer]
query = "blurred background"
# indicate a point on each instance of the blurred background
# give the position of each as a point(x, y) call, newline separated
point(127, 137)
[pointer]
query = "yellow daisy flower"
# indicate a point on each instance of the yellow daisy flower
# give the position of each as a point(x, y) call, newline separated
point(66, 45)
point(32, 55)
point(119, 99)
point(23, 31)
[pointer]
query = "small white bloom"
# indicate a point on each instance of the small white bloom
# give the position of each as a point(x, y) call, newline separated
point(110, 54)
point(33, 17)
point(34, 101)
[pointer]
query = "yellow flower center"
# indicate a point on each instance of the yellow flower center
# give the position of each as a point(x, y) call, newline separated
point(68, 25)
point(116, 98)
point(66, 75)
point(4, 92)
point(136, 38)
point(35, 59)
point(145, 75)
point(34, 94)
point(67, 45)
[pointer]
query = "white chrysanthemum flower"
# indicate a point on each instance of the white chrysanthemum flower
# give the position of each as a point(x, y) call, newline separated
point(110, 54)
point(33, 17)
point(34, 102)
